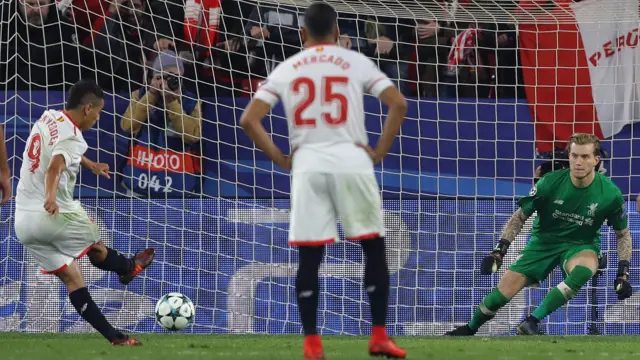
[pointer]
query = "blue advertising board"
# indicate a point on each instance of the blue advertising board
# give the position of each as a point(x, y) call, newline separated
point(476, 149)
point(232, 259)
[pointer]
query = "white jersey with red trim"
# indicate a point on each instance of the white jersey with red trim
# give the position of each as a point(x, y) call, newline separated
point(54, 134)
point(322, 89)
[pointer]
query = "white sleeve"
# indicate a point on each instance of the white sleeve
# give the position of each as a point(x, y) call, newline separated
point(374, 80)
point(71, 149)
point(271, 90)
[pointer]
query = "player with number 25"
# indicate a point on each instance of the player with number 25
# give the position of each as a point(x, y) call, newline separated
point(322, 89)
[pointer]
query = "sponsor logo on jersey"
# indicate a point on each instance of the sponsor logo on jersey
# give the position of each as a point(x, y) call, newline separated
point(572, 218)
point(559, 202)
point(592, 209)
point(60, 119)
point(577, 218)
point(533, 191)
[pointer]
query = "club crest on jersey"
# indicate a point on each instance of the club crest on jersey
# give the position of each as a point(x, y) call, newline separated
point(592, 209)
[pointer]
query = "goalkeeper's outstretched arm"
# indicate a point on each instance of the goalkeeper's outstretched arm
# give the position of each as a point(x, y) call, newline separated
point(621, 285)
point(624, 244)
point(514, 226)
point(493, 261)
point(619, 221)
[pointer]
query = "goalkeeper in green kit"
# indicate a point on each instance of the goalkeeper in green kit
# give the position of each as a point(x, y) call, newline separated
point(571, 205)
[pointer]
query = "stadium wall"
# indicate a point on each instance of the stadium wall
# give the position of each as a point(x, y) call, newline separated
point(476, 149)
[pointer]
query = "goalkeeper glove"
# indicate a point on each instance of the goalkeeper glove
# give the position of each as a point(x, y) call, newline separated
point(493, 261)
point(621, 285)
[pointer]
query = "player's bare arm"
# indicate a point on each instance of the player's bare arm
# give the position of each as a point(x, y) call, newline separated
point(493, 261)
point(100, 169)
point(397, 105)
point(52, 180)
point(5, 172)
point(621, 285)
point(624, 244)
point(514, 226)
point(251, 122)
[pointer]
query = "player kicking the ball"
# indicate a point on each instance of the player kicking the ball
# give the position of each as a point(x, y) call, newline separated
point(322, 89)
point(571, 205)
point(53, 227)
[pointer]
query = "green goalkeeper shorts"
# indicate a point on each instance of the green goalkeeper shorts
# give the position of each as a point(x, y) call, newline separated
point(537, 260)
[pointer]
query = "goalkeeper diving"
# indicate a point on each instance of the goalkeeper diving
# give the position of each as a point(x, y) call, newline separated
point(571, 205)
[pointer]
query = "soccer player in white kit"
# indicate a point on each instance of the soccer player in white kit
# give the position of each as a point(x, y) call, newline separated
point(322, 89)
point(51, 225)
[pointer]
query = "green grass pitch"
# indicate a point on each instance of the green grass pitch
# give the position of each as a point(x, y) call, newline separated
point(14, 346)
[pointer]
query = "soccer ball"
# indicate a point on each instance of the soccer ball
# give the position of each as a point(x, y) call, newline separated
point(175, 311)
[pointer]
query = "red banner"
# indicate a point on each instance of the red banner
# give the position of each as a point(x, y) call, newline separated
point(144, 158)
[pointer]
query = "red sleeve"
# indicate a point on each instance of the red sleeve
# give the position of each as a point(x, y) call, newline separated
point(191, 16)
point(86, 11)
point(213, 14)
point(98, 25)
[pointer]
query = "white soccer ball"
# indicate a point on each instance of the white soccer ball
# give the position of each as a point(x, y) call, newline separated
point(175, 311)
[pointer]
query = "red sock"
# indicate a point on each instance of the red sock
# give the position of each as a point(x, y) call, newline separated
point(379, 332)
point(313, 340)
point(312, 345)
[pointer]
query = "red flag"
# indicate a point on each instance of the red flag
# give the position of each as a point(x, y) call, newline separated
point(556, 76)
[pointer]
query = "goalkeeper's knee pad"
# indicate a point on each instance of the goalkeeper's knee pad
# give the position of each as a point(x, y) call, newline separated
point(578, 277)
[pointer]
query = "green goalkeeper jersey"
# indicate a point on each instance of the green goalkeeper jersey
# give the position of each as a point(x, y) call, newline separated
point(571, 215)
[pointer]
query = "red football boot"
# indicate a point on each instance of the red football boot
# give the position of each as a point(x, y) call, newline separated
point(313, 348)
point(141, 261)
point(125, 341)
point(382, 345)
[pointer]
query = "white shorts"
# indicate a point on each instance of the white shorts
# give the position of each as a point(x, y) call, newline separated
point(55, 241)
point(317, 199)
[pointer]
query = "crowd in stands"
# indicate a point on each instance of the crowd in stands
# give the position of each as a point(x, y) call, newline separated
point(226, 47)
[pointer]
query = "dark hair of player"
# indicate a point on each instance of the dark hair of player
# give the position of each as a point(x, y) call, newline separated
point(320, 20)
point(585, 139)
point(84, 92)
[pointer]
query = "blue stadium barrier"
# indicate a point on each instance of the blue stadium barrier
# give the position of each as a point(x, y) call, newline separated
point(480, 149)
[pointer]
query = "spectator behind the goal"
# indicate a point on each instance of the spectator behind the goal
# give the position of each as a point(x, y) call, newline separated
point(165, 122)
point(434, 43)
point(276, 31)
point(123, 42)
point(472, 58)
point(382, 39)
point(82, 13)
point(217, 46)
point(36, 47)
point(88, 14)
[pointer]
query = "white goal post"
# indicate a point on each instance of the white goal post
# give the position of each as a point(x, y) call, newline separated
point(494, 87)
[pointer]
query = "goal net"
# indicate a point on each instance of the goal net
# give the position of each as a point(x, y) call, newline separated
point(494, 87)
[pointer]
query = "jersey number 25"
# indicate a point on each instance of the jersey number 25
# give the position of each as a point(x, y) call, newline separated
point(327, 98)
